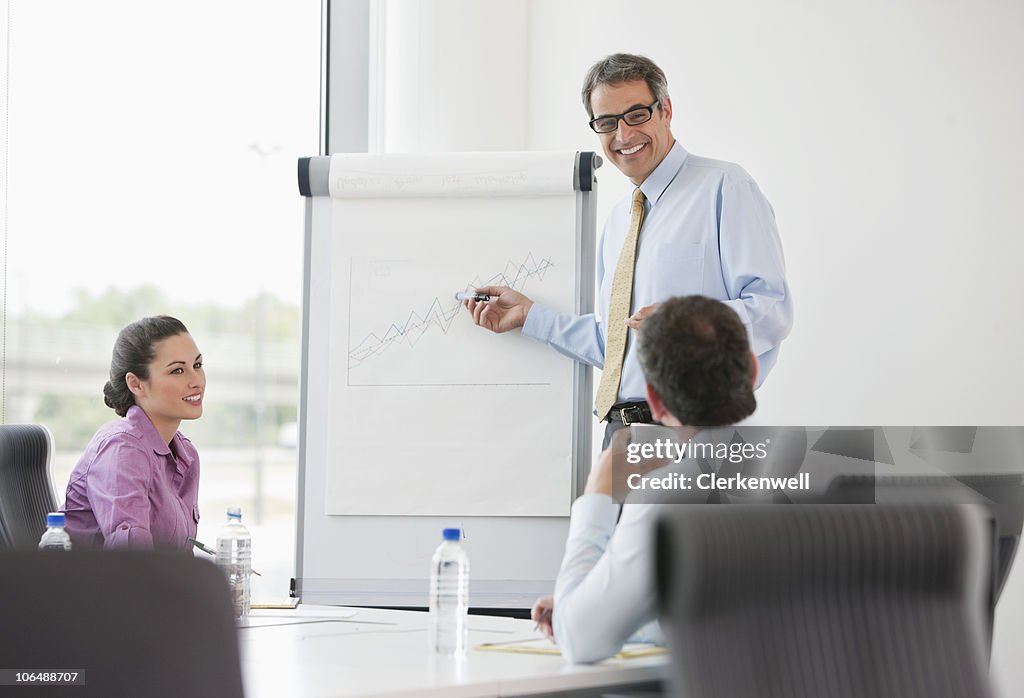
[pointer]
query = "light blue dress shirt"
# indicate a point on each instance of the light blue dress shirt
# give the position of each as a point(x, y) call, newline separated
point(605, 592)
point(708, 230)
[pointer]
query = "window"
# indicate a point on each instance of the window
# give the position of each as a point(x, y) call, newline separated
point(149, 167)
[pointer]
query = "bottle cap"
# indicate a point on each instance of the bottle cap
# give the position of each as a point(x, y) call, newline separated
point(234, 512)
point(452, 534)
point(55, 518)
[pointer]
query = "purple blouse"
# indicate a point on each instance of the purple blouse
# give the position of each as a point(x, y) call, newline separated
point(130, 490)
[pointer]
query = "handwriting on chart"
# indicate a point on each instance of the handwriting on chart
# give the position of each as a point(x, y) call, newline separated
point(354, 181)
point(413, 323)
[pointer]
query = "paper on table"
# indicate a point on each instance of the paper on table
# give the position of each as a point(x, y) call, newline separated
point(275, 604)
point(544, 646)
point(312, 611)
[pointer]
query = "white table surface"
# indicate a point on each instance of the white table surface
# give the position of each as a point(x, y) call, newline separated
point(325, 651)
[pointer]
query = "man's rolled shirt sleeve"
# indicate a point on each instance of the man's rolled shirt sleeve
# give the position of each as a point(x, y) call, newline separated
point(119, 485)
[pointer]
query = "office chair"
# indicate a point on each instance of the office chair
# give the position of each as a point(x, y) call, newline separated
point(26, 488)
point(826, 601)
point(134, 623)
point(1002, 495)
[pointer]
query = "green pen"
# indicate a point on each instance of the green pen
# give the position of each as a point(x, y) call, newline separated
point(210, 551)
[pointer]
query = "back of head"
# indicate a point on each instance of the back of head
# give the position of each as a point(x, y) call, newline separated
point(695, 353)
point(134, 349)
point(624, 67)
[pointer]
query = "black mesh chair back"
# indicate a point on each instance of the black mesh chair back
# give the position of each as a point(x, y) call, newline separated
point(134, 623)
point(26, 489)
point(819, 601)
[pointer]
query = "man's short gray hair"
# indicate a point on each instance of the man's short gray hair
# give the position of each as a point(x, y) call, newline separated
point(624, 67)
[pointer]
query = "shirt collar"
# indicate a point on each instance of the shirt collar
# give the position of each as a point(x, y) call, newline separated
point(150, 436)
point(657, 182)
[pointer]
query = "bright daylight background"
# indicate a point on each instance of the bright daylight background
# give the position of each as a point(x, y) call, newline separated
point(149, 167)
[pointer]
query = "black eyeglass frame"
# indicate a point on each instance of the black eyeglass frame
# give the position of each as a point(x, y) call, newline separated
point(650, 115)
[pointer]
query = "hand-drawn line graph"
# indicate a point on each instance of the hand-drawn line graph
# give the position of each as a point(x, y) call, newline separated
point(439, 314)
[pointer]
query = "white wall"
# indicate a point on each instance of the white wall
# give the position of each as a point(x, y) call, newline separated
point(451, 75)
point(888, 137)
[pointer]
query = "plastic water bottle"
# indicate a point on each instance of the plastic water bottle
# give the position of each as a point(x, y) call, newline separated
point(234, 556)
point(55, 537)
point(449, 595)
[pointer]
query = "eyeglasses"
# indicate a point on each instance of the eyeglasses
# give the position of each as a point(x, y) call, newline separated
point(634, 117)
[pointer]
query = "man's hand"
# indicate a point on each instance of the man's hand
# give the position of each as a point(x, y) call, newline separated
point(543, 608)
point(637, 319)
point(610, 475)
point(506, 311)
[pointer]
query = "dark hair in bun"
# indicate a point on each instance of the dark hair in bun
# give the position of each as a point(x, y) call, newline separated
point(133, 350)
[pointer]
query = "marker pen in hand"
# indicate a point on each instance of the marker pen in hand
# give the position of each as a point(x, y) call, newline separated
point(478, 297)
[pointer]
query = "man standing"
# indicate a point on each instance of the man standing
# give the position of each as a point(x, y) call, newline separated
point(700, 374)
point(692, 226)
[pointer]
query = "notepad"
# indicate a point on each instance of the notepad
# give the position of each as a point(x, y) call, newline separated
point(542, 645)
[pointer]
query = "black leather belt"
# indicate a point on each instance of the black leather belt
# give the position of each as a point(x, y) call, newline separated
point(631, 413)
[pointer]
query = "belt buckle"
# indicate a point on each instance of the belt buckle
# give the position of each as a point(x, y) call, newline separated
point(631, 415)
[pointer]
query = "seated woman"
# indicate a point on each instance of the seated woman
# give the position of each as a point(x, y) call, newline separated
point(136, 485)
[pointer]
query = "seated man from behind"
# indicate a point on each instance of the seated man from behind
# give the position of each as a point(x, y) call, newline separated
point(700, 373)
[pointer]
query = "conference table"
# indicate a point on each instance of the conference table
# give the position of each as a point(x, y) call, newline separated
point(326, 651)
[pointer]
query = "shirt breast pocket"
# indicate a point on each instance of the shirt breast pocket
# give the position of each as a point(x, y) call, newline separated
point(678, 269)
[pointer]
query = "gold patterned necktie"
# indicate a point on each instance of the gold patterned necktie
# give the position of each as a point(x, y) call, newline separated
point(618, 311)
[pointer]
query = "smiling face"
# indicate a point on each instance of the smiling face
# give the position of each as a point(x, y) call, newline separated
point(175, 387)
point(635, 150)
